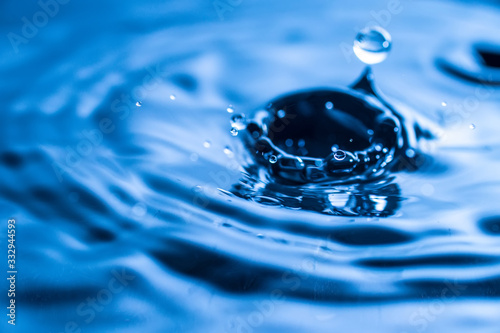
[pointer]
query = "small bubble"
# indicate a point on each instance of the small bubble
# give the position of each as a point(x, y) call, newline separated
point(228, 151)
point(172, 97)
point(139, 104)
point(444, 104)
point(289, 142)
point(335, 148)
point(207, 144)
point(329, 105)
point(377, 157)
point(301, 143)
point(339, 155)
point(378, 147)
point(273, 159)
point(410, 153)
point(370, 132)
point(230, 109)
point(234, 131)
point(372, 45)
point(385, 150)
point(396, 129)
point(281, 113)
point(472, 126)
point(374, 170)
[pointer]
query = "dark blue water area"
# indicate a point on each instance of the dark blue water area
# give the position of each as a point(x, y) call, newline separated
point(137, 211)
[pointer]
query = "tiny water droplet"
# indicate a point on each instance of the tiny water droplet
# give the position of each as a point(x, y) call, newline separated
point(289, 142)
point(351, 140)
point(230, 109)
point(339, 155)
point(378, 147)
point(273, 159)
point(172, 97)
point(301, 143)
point(472, 126)
point(372, 45)
point(193, 157)
point(444, 104)
point(410, 153)
point(139, 103)
point(228, 151)
point(238, 121)
point(329, 105)
point(234, 131)
point(207, 144)
point(385, 150)
point(281, 113)
point(370, 132)
point(335, 148)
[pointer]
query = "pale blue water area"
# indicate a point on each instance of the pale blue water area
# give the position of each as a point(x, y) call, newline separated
point(137, 210)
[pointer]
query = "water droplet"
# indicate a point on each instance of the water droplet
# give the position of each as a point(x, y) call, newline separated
point(329, 105)
point(207, 144)
point(385, 150)
point(230, 109)
point(335, 148)
point(172, 97)
point(472, 126)
point(281, 113)
point(378, 147)
point(234, 131)
point(238, 121)
point(443, 104)
point(139, 103)
point(372, 45)
point(410, 153)
point(273, 159)
point(318, 163)
point(289, 142)
point(339, 155)
point(301, 143)
point(228, 151)
point(351, 140)
point(370, 132)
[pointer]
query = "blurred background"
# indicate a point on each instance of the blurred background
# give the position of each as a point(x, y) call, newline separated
point(117, 164)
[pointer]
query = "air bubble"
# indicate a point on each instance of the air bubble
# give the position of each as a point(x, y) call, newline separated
point(289, 142)
point(385, 150)
point(281, 113)
point(273, 159)
point(370, 132)
point(378, 147)
point(301, 143)
point(372, 45)
point(410, 153)
point(329, 105)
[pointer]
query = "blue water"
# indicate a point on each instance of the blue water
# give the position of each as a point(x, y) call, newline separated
point(151, 217)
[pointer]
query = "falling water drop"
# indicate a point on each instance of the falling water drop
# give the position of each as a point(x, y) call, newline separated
point(472, 126)
point(139, 103)
point(372, 45)
point(329, 105)
point(444, 104)
point(207, 144)
point(172, 97)
point(230, 109)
